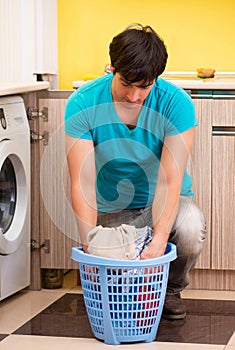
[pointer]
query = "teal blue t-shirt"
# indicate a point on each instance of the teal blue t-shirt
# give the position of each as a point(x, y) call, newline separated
point(127, 160)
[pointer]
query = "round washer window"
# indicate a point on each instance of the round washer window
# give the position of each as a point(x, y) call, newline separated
point(7, 195)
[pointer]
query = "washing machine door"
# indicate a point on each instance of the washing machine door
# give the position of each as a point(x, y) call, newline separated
point(13, 197)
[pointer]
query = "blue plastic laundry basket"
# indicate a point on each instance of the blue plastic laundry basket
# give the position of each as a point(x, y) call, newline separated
point(124, 298)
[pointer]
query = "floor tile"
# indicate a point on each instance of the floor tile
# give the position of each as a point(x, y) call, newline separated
point(208, 294)
point(67, 317)
point(57, 319)
point(21, 307)
point(77, 289)
point(207, 322)
point(24, 342)
point(2, 336)
point(232, 339)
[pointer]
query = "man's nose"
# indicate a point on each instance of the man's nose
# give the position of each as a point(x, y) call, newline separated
point(133, 94)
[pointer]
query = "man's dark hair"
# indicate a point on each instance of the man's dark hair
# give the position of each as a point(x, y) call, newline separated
point(138, 54)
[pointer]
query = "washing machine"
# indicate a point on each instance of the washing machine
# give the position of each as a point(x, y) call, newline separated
point(14, 196)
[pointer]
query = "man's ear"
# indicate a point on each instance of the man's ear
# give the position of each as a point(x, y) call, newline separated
point(112, 68)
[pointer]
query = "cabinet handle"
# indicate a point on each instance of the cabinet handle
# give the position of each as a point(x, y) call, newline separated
point(223, 96)
point(215, 95)
point(223, 130)
point(201, 96)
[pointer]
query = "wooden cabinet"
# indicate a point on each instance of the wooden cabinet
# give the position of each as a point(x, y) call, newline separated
point(212, 167)
point(57, 220)
point(214, 178)
point(223, 183)
point(219, 160)
point(200, 170)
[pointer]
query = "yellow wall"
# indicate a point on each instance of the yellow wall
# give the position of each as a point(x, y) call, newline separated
point(197, 33)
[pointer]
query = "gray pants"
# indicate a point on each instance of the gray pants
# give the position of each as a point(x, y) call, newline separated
point(188, 234)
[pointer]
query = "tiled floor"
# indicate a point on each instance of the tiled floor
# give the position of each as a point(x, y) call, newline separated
point(57, 319)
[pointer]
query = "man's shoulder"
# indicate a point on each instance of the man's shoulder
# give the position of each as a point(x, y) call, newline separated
point(168, 92)
point(165, 86)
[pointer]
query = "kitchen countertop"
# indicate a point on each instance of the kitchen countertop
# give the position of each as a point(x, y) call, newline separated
point(190, 81)
point(12, 88)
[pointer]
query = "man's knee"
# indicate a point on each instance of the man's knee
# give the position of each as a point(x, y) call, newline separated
point(189, 228)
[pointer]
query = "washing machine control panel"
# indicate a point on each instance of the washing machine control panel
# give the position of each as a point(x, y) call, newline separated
point(13, 117)
point(3, 121)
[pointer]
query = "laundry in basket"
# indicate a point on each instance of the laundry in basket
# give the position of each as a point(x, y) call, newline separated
point(124, 298)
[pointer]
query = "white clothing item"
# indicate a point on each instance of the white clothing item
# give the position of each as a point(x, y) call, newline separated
point(124, 242)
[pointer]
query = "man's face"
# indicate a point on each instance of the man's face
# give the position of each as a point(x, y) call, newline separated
point(130, 94)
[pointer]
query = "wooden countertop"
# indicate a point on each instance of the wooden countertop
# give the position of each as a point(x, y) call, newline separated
point(12, 88)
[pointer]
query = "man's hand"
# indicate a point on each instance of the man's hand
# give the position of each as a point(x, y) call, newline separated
point(156, 248)
point(85, 248)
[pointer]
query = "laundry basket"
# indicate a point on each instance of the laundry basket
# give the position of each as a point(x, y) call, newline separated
point(124, 298)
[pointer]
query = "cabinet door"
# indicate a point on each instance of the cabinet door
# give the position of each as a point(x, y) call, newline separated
point(223, 178)
point(57, 220)
point(200, 170)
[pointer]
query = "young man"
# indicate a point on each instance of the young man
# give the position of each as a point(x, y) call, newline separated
point(129, 135)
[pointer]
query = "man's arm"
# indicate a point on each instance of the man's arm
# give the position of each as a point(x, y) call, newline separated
point(173, 162)
point(81, 163)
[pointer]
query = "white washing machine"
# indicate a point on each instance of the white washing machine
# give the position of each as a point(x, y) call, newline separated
point(14, 196)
